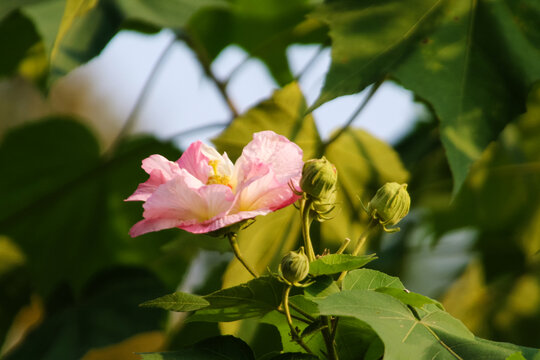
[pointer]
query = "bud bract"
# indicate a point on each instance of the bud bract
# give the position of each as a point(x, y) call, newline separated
point(294, 266)
point(319, 178)
point(390, 204)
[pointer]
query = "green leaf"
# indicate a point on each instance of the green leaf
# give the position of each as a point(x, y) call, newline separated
point(76, 31)
point(14, 51)
point(409, 298)
point(336, 263)
point(314, 341)
point(255, 298)
point(178, 301)
point(369, 38)
point(364, 164)
point(433, 334)
point(290, 356)
point(216, 348)
point(516, 356)
point(323, 286)
point(367, 279)
point(68, 205)
point(356, 340)
point(265, 29)
point(476, 71)
point(107, 313)
point(165, 13)
point(7, 6)
point(16, 289)
point(73, 10)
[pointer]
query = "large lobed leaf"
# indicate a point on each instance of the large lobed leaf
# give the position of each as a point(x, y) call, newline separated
point(264, 28)
point(336, 263)
point(106, 314)
point(476, 71)
point(177, 301)
point(255, 298)
point(65, 209)
point(76, 31)
point(216, 348)
point(473, 61)
point(406, 335)
point(369, 38)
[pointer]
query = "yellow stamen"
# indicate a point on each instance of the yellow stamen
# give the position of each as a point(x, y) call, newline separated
point(216, 178)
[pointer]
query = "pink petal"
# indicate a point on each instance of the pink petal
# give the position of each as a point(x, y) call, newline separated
point(195, 161)
point(177, 204)
point(222, 221)
point(283, 156)
point(264, 193)
point(160, 170)
point(150, 225)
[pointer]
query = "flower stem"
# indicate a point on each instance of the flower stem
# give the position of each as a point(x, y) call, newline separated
point(295, 336)
point(328, 339)
point(305, 205)
point(234, 244)
point(361, 241)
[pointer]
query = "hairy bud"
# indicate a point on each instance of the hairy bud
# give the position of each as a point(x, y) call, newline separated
point(294, 267)
point(319, 178)
point(390, 204)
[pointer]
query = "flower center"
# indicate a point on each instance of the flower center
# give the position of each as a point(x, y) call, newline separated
point(215, 178)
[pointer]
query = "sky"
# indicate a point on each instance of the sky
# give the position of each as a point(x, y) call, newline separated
point(180, 97)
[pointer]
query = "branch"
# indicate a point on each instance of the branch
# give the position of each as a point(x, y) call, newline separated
point(132, 117)
point(205, 62)
point(361, 107)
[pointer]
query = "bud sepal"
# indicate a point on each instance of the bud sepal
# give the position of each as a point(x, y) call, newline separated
point(294, 268)
point(390, 204)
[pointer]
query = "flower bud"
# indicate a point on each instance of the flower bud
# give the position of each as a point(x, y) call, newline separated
point(389, 205)
point(294, 266)
point(319, 178)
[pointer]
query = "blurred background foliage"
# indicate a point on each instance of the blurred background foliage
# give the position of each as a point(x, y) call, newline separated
point(70, 276)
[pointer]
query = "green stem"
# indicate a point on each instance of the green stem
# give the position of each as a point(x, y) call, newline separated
point(305, 206)
point(361, 107)
point(361, 241)
point(281, 311)
point(302, 312)
point(205, 62)
point(295, 336)
point(236, 250)
point(328, 339)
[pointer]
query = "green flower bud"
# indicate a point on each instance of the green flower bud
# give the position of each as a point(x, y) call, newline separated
point(319, 178)
point(294, 267)
point(389, 205)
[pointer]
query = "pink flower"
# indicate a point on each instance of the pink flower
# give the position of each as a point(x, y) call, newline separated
point(203, 191)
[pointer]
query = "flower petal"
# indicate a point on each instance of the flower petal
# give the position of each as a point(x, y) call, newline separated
point(196, 160)
point(264, 193)
point(222, 221)
point(160, 170)
point(177, 203)
point(283, 156)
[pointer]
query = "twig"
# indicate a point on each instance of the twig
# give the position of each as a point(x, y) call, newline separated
point(361, 241)
point(302, 312)
point(238, 254)
point(205, 62)
point(294, 316)
point(311, 61)
point(130, 121)
point(294, 334)
point(358, 110)
point(305, 205)
point(196, 129)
